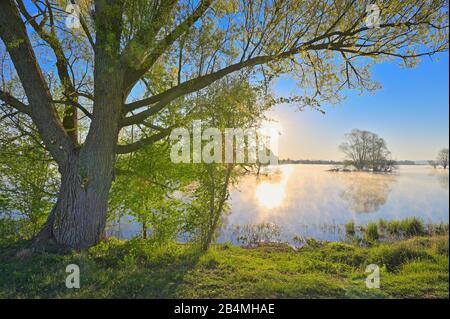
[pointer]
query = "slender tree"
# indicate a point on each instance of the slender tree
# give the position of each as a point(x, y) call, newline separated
point(228, 103)
point(169, 50)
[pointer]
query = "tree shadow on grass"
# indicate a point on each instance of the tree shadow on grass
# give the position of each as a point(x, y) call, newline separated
point(116, 269)
point(139, 268)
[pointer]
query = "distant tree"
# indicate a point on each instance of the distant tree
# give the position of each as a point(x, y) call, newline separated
point(442, 158)
point(355, 147)
point(366, 150)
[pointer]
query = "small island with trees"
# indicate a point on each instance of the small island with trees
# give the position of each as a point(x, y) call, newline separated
point(366, 151)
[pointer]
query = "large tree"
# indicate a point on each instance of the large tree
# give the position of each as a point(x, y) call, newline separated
point(80, 86)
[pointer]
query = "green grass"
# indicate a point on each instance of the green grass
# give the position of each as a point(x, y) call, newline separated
point(412, 227)
point(350, 228)
point(414, 268)
point(399, 229)
point(371, 232)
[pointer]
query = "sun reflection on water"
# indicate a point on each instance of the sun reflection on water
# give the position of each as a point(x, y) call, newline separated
point(272, 195)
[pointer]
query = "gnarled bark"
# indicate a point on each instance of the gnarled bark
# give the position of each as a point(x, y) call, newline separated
point(78, 218)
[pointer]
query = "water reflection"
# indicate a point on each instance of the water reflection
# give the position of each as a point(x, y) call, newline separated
point(271, 195)
point(441, 177)
point(443, 180)
point(310, 201)
point(366, 192)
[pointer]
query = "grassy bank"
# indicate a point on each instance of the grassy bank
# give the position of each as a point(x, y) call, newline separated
point(413, 268)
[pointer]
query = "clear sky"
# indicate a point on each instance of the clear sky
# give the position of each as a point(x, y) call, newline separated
point(410, 111)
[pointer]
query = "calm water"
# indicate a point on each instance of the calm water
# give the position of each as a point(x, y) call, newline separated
point(308, 200)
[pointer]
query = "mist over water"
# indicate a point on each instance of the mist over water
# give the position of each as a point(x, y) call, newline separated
point(310, 201)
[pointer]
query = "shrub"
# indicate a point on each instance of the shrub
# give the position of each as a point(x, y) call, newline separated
point(313, 243)
point(441, 247)
point(382, 224)
point(394, 256)
point(371, 232)
point(412, 227)
point(350, 228)
point(299, 240)
point(393, 228)
point(438, 229)
point(9, 230)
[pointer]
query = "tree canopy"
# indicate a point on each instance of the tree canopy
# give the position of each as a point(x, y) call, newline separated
point(366, 150)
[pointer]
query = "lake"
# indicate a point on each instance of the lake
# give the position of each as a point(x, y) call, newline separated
point(308, 200)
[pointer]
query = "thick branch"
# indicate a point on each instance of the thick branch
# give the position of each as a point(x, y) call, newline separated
point(159, 101)
point(70, 120)
point(15, 103)
point(77, 105)
point(42, 112)
point(129, 148)
point(133, 74)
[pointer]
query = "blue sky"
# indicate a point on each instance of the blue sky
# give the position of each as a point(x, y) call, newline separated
point(410, 111)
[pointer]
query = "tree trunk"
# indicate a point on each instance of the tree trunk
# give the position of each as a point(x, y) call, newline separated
point(79, 216)
point(144, 230)
point(217, 213)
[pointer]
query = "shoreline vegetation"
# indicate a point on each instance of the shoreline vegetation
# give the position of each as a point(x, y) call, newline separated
point(331, 162)
point(412, 256)
point(346, 169)
point(250, 236)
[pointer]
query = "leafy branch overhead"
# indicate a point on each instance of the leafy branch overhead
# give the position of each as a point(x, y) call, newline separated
point(180, 47)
